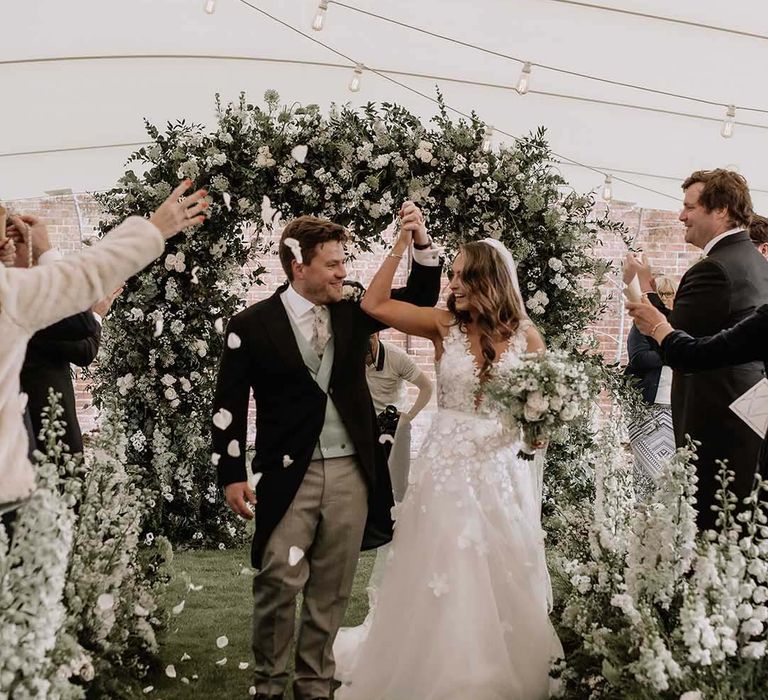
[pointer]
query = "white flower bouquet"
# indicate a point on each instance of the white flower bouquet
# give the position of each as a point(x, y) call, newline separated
point(541, 394)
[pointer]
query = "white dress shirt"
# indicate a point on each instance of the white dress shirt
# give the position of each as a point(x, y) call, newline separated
point(300, 310)
point(719, 238)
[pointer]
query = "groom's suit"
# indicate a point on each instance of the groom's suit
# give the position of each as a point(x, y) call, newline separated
point(291, 389)
point(717, 292)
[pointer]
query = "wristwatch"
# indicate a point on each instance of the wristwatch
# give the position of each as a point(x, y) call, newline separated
point(423, 246)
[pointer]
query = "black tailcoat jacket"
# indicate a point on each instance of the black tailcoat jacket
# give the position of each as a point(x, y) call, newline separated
point(290, 406)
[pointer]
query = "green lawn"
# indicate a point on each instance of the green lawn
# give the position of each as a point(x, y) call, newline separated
point(221, 608)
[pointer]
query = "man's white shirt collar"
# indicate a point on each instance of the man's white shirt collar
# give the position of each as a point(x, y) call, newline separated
point(719, 238)
point(298, 304)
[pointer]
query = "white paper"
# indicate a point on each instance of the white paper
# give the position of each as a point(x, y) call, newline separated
point(752, 407)
point(632, 291)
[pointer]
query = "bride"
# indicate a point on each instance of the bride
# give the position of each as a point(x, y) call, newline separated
point(462, 608)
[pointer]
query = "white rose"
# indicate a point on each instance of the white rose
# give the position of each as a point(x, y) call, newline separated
point(692, 695)
point(569, 412)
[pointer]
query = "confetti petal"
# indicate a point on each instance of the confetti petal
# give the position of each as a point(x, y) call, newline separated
point(242, 665)
point(233, 341)
point(233, 449)
point(222, 419)
point(195, 270)
point(218, 324)
point(148, 689)
point(287, 461)
point(227, 200)
point(256, 479)
point(221, 662)
point(215, 457)
point(295, 248)
point(185, 656)
point(178, 608)
point(106, 601)
point(193, 587)
point(295, 555)
point(299, 153)
point(252, 690)
point(158, 327)
point(386, 438)
point(184, 680)
point(170, 671)
point(222, 641)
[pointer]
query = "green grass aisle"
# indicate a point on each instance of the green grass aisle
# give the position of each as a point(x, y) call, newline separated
point(221, 608)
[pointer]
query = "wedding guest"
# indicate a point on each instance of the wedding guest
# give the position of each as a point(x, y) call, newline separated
point(721, 289)
point(387, 369)
point(31, 299)
point(651, 437)
point(758, 233)
point(747, 341)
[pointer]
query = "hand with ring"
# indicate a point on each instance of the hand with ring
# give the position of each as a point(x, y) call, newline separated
point(178, 212)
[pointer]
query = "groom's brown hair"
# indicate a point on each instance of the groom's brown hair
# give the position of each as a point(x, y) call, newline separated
point(309, 231)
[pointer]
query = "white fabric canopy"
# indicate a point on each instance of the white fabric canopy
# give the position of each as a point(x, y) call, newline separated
point(85, 103)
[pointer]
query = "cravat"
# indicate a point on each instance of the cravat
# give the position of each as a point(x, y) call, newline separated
point(321, 333)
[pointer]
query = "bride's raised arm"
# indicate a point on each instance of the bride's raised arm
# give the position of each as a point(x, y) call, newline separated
point(378, 303)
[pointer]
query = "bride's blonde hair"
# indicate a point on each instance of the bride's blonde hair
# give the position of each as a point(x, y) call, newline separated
point(493, 296)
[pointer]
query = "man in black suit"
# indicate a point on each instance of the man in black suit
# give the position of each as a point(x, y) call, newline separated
point(50, 352)
point(717, 292)
point(323, 488)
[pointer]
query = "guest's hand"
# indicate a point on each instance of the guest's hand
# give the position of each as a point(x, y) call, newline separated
point(630, 267)
point(412, 219)
point(173, 215)
point(30, 229)
point(238, 496)
point(8, 252)
point(645, 274)
point(645, 315)
point(103, 306)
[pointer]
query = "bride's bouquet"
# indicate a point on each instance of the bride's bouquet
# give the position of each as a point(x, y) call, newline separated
point(541, 394)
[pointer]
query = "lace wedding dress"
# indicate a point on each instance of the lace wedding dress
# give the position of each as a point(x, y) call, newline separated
point(461, 610)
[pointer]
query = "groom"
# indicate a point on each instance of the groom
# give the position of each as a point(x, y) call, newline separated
point(323, 488)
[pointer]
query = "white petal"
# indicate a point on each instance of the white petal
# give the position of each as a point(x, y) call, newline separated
point(218, 324)
point(227, 200)
point(140, 611)
point(287, 461)
point(221, 662)
point(222, 641)
point(242, 665)
point(106, 601)
point(233, 449)
point(185, 656)
point(184, 680)
point(233, 341)
point(295, 248)
point(148, 689)
point(295, 555)
point(158, 327)
point(222, 419)
point(215, 457)
point(252, 690)
point(386, 438)
point(195, 270)
point(299, 153)
point(178, 608)
point(170, 671)
point(193, 587)
point(256, 479)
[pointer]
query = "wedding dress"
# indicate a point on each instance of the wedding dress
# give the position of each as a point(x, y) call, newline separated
point(461, 609)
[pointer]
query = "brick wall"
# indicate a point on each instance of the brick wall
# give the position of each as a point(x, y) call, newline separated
point(658, 233)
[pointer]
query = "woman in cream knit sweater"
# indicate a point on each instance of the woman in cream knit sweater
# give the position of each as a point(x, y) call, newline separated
point(34, 298)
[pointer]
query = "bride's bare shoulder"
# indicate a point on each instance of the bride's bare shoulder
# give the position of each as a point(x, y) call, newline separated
point(534, 339)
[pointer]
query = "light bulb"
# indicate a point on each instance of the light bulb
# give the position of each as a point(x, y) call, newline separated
point(209, 6)
point(317, 24)
point(487, 140)
point(726, 130)
point(354, 83)
point(608, 188)
point(524, 79)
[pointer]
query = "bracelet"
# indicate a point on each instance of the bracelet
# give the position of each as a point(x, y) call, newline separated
point(656, 327)
point(423, 246)
point(395, 255)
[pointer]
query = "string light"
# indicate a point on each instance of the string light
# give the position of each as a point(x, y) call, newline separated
point(608, 189)
point(487, 140)
point(726, 130)
point(354, 83)
point(209, 6)
point(525, 78)
point(319, 20)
